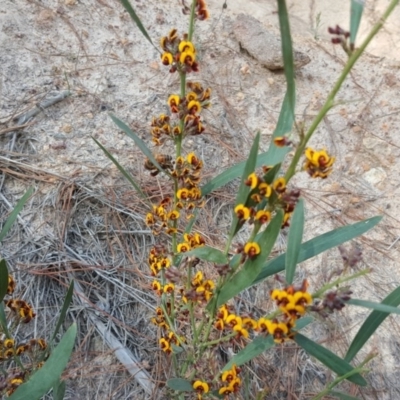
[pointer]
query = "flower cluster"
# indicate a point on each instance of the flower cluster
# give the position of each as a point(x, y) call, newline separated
point(165, 215)
point(318, 164)
point(335, 300)
point(185, 119)
point(292, 302)
point(30, 354)
point(228, 321)
point(200, 10)
point(178, 52)
point(231, 381)
point(158, 259)
point(267, 194)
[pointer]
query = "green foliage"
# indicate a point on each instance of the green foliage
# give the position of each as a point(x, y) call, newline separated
point(357, 8)
point(294, 241)
point(331, 360)
point(136, 19)
point(251, 269)
point(139, 142)
point(64, 309)
point(208, 254)
point(371, 324)
point(3, 279)
point(318, 245)
point(123, 171)
point(14, 214)
point(287, 53)
point(180, 384)
point(48, 376)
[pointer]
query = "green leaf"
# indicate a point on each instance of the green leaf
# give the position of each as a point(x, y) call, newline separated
point(251, 268)
point(331, 360)
point(3, 279)
point(64, 309)
point(342, 396)
point(139, 142)
point(271, 157)
point(287, 53)
point(59, 390)
point(180, 384)
point(371, 324)
point(136, 19)
point(3, 321)
point(269, 177)
point(14, 213)
point(357, 8)
point(294, 241)
point(121, 169)
point(318, 245)
point(47, 376)
point(253, 349)
point(375, 306)
point(244, 190)
point(208, 254)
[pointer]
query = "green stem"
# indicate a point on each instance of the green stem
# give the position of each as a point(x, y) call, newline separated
point(217, 341)
point(191, 23)
point(329, 103)
point(358, 370)
point(328, 286)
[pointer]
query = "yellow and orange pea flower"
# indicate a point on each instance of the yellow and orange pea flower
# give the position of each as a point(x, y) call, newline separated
point(242, 212)
point(252, 249)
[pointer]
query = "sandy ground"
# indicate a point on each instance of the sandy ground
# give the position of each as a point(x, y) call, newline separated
point(93, 49)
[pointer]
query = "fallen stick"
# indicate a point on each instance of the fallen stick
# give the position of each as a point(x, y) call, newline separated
point(25, 117)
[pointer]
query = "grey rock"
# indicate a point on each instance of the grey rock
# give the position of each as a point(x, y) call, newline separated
point(262, 44)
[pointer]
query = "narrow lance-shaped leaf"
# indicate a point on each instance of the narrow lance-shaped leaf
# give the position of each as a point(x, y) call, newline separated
point(329, 359)
point(123, 171)
point(374, 306)
point(47, 376)
point(64, 309)
point(208, 254)
point(343, 396)
point(136, 19)
point(14, 213)
point(357, 8)
point(294, 241)
point(267, 158)
point(287, 53)
point(3, 321)
point(244, 190)
point(318, 245)
point(251, 268)
point(139, 142)
point(371, 324)
point(3, 279)
point(180, 384)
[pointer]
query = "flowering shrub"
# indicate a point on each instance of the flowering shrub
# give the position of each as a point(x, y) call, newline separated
point(197, 311)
